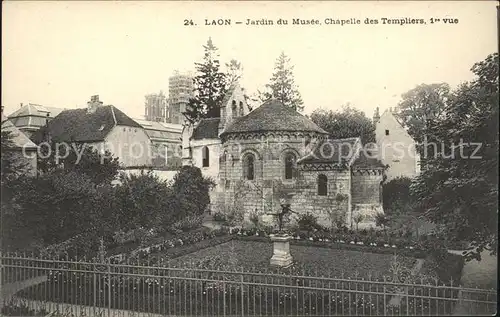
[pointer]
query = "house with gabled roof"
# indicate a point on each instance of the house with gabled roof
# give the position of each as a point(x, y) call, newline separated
point(272, 154)
point(24, 151)
point(104, 127)
point(396, 148)
point(30, 117)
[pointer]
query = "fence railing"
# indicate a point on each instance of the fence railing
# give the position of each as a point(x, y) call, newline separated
point(81, 288)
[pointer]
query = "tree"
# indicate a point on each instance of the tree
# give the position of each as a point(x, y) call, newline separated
point(191, 190)
point(282, 85)
point(420, 104)
point(144, 201)
point(81, 158)
point(55, 207)
point(346, 123)
point(396, 194)
point(233, 73)
point(459, 188)
point(210, 87)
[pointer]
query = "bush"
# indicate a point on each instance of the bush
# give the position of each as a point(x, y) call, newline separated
point(308, 222)
point(219, 216)
point(254, 219)
point(188, 223)
point(397, 197)
point(144, 201)
point(191, 190)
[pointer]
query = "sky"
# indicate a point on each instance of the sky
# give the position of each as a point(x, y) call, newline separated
point(61, 53)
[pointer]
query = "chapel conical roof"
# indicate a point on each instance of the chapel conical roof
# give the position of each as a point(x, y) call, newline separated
point(273, 115)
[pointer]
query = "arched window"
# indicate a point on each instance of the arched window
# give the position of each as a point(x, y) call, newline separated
point(249, 167)
point(206, 157)
point(241, 108)
point(322, 185)
point(233, 109)
point(289, 166)
point(166, 155)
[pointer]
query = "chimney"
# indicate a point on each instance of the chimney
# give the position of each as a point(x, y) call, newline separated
point(93, 104)
point(376, 116)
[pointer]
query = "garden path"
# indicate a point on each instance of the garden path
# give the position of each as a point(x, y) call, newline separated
point(8, 290)
point(480, 274)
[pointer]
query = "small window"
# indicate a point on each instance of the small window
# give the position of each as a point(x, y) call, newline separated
point(289, 166)
point(249, 167)
point(241, 108)
point(206, 157)
point(322, 185)
point(233, 109)
point(386, 132)
point(307, 141)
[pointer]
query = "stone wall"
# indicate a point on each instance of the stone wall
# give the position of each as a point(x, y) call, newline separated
point(261, 194)
point(366, 187)
point(307, 199)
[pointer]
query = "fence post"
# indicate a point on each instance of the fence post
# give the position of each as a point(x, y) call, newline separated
point(109, 288)
point(242, 297)
point(224, 297)
point(385, 300)
point(95, 289)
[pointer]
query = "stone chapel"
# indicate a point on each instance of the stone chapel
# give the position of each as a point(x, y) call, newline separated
point(273, 154)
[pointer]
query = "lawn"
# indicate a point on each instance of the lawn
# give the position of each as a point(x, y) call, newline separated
point(139, 291)
point(254, 256)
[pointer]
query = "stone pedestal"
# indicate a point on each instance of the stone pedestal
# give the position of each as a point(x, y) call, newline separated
point(281, 251)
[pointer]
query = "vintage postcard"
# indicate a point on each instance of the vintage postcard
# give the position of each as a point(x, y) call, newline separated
point(249, 158)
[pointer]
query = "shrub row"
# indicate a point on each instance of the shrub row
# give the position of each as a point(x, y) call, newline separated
point(364, 240)
point(189, 238)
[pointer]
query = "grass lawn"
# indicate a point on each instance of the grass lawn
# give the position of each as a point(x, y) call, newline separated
point(254, 256)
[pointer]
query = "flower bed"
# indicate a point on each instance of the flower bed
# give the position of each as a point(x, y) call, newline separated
point(365, 241)
point(179, 245)
point(313, 260)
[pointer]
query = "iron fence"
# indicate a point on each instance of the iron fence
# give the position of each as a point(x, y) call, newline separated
point(80, 288)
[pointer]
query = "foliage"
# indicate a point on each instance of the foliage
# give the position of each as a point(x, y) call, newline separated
point(210, 87)
point(191, 191)
point(188, 223)
point(381, 220)
point(347, 123)
point(254, 219)
point(422, 103)
point(80, 158)
point(57, 206)
point(232, 215)
point(396, 193)
point(357, 218)
point(11, 167)
point(308, 222)
point(12, 172)
point(234, 73)
point(458, 187)
point(282, 85)
point(337, 218)
point(144, 200)
point(21, 309)
point(219, 216)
